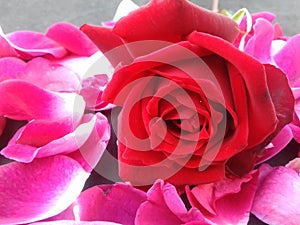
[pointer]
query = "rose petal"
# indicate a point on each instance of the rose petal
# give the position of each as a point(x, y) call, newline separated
point(46, 74)
point(156, 20)
point(11, 67)
point(6, 49)
point(71, 38)
point(70, 222)
point(31, 44)
point(45, 188)
point(278, 196)
point(288, 60)
point(40, 139)
point(164, 207)
point(252, 75)
point(116, 203)
point(226, 201)
point(92, 88)
point(268, 16)
point(97, 141)
point(110, 44)
point(259, 45)
point(37, 103)
point(278, 143)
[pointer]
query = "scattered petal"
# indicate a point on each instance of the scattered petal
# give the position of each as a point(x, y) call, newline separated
point(41, 189)
point(32, 44)
point(164, 207)
point(37, 103)
point(278, 196)
point(71, 38)
point(71, 222)
point(116, 203)
point(227, 201)
point(46, 74)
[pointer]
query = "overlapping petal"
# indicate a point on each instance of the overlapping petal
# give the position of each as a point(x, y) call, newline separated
point(37, 103)
point(41, 189)
point(40, 138)
point(288, 60)
point(278, 195)
point(71, 38)
point(31, 44)
point(50, 75)
point(159, 18)
point(116, 203)
point(227, 201)
point(11, 68)
point(164, 207)
point(71, 222)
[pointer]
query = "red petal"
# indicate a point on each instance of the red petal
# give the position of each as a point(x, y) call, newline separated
point(171, 20)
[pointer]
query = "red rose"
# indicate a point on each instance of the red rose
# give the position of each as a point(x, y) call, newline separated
point(194, 107)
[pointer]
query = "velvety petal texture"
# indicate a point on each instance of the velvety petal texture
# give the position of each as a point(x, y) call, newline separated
point(160, 16)
point(277, 144)
point(260, 44)
point(227, 201)
point(115, 203)
point(232, 75)
point(277, 197)
point(164, 206)
point(71, 38)
point(287, 59)
point(155, 21)
point(71, 222)
point(37, 103)
point(30, 44)
point(40, 138)
point(35, 191)
point(50, 75)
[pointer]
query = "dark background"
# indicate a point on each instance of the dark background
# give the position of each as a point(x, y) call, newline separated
point(37, 15)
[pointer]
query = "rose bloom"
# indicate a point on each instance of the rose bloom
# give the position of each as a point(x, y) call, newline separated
point(194, 107)
point(50, 142)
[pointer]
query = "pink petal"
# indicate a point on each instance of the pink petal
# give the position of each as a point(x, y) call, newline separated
point(41, 189)
point(40, 139)
point(278, 196)
point(46, 74)
point(31, 44)
point(164, 207)
point(6, 49)
point(117, 203)
point(11, 67)
point(277, 144)
point(41, 132)
point(70, 222)
point(97, 141)
point(36, 103)
point(288, 60)
point(20, 152)
point(24, 145)
point(259, 45)
point(92, 89)
point(71, 38)
point(227, 201)
point(268, 16)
